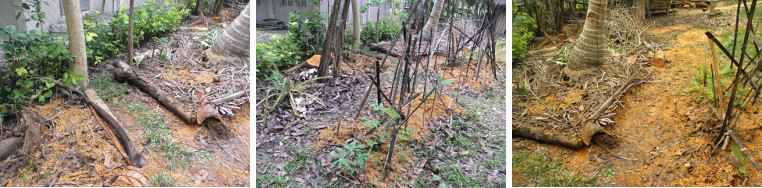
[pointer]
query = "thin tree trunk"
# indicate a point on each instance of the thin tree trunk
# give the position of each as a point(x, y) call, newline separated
point(234, 41)
point(433, 21)
point(355, 22)
point(76, 39)
point(130, 32)
point(588, 52)
point(639, 11)
point(218, 7)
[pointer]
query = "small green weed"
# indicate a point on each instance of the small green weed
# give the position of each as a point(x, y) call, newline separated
point(543, 172)
point(163, 180)
point(350, 158)
point(160, 138)
point(285, 87)
point(107, 88)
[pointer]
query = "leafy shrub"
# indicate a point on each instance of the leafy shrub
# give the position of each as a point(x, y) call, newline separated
point(523, 33)
point(387, 30)
point(307, 31)
point(349, 157)
point(150, 20)
point(100, 39)
point(33, 54)
point(277, 53)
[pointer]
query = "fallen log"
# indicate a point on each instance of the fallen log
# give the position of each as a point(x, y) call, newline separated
point(659, 59)
point(136, 159)
point(379, 48)
point(124, 72)
point(9, 146)
point(96, 99)
point(540, 134)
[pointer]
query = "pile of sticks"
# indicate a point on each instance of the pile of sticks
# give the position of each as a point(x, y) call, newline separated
point(747, 76)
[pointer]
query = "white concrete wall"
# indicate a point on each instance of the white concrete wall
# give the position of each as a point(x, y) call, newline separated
point(272, 9)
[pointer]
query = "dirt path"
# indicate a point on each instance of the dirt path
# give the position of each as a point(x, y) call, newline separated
point(662, 135)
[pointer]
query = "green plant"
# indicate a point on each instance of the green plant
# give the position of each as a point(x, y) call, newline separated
point(31, 55)
point(307, 31)
point(387, 30)
point(208, 38)
point(349, 157)
point(704, 84)
point(107, 88)
point(163, 179)
point(301, 159)
point(100, 39)
point(561, 56)
point(544, 172)
point(741, 159)
point(150, 20)
point(277, 53)
point(285, 87)
point(523, 33)
point(160, 138)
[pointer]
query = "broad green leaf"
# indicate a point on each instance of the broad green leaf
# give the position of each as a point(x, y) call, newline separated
point(447, 82)
point(21, 71)
point(437, 178)
point(739, 155)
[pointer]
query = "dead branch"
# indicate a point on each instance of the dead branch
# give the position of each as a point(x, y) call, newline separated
point(540, 134)
point(379, 48)
point(135, 157)
point(124, 72)
point(230, 97)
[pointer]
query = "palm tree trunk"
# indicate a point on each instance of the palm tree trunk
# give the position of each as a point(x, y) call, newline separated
point(588, 52)
point(234, 41)
point(76, 34)
point(433, 21)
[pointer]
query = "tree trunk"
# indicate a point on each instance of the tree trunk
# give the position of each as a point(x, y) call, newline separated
point(639, 11)
point(378, 15)
point(355, 22)
point(588, 52)
point(76, 34)
point(433, 21)
point(234, 41)
point(199, 7)
point(130, 31)
point(218, 7)
point(541, 21)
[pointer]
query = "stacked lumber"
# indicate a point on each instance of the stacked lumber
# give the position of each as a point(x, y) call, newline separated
point(692, 3)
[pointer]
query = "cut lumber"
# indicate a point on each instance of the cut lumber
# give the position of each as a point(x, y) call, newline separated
point(540, 134)
point(136, 159)
point(9, 146)
point(124, 72)
point(312, 62)
point(379, 48)
point(659, 59)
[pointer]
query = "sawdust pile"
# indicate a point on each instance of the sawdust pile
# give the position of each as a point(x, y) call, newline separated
point(78, 152)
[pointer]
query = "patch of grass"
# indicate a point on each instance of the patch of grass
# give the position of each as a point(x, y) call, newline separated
point(160, 138)
point(452, 174)
point(163, 180)
point(302, 158)
point(107, 88)
point(543, 172)
point(272, 180)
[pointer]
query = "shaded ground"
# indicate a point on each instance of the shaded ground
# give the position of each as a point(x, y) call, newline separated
point(80, 152)
point(664, 131)
point(460, 144)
